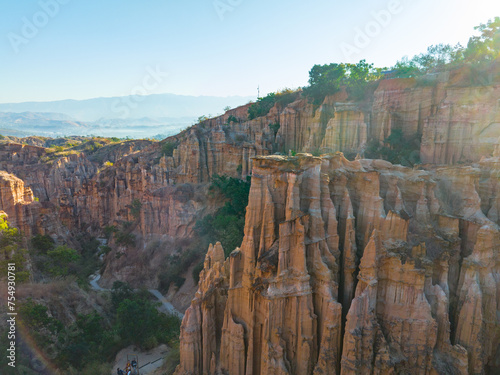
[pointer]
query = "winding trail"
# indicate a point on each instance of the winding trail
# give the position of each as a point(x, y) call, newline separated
point(166, 307)
point(94, 283)
point(150, 360)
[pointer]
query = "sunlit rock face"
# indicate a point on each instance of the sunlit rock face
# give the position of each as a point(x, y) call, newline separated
point(356, 267)
point(456, 124)
point(15, 202)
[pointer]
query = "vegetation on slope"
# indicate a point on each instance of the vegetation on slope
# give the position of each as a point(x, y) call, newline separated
point(59, 261)
point(263, 105)
point(88, 344)
point(325, 80)
point(480, 57)
point(227, 225)
point(396, 149)
point(93, 340)
point(12, 251)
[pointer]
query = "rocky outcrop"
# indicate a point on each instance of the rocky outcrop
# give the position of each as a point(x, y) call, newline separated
point(204, 322)
point(23, 211)
point(457, 124)
point(353, 268)
point(15, 201)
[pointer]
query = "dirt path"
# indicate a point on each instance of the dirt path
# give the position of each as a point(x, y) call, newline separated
point(165, 307)
point(148, 361)
point(94, 283)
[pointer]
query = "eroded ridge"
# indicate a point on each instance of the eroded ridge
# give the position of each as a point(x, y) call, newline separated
point(358, 267)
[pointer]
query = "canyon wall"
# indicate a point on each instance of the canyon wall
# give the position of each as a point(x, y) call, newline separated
point(356, 267)
point(457, 124)
point(16, 202)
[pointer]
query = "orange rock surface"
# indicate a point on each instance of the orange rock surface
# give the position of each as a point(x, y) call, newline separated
point(356, 267)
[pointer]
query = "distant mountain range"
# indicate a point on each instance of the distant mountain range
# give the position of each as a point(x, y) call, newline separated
point(135, 117)
point(132, 107)
point(47, 124)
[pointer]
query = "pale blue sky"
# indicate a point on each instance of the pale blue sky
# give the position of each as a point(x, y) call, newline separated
point(94, 48)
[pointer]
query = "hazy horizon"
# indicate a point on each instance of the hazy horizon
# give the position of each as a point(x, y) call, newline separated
point(67, 50)
point(122, 96)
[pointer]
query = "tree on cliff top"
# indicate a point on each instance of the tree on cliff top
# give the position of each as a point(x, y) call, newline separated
point(263, 105)
point(486, 46)
point(325, 80)
point(480, 49)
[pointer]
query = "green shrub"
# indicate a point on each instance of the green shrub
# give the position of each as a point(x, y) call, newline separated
point(12, 252)
point(175, 266)
point(286, 96)
point(202, 118)
point(105, 250)
point(36, 316)
point(275, 127)
point(85, 346)
point(240, 138)
point(262, 106)
point(59, 260)
point(95, 367)
point(42, 244)
point(167, 149)
point(397, 149)
point(232, 119)
point(63, 261)
point(196, 271)
point(228, 222)
point(135, 208)
point(125, 239)
point(325, 80)
point(138, 322)
point(109, 230)
point(89, 261)
point(120, 292)
point(172, 359)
